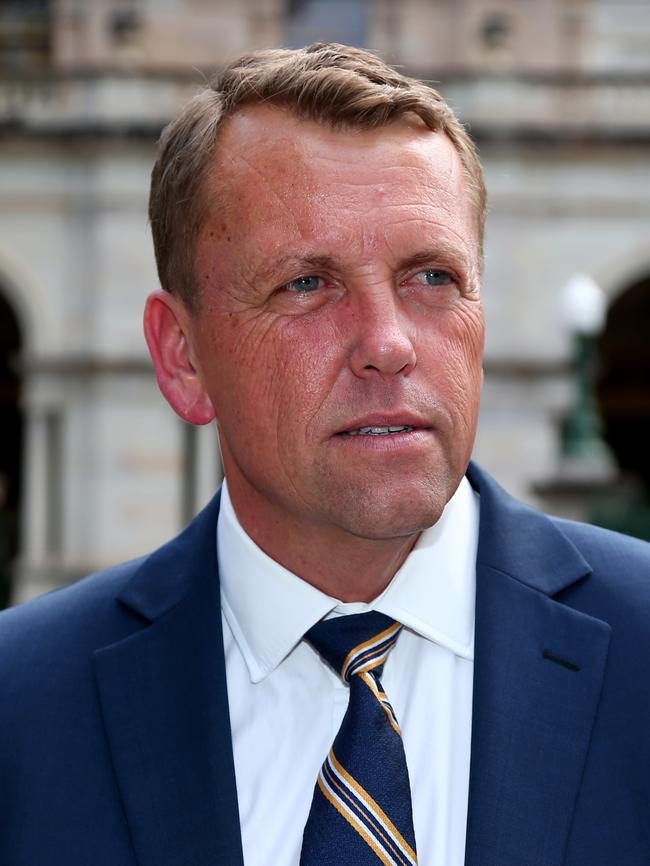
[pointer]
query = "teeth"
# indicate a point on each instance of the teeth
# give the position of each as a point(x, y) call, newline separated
point(378, 431)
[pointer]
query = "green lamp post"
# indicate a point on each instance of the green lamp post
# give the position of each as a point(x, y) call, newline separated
point(583, 308)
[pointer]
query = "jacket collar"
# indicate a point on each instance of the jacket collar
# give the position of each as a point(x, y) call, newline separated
point(523, 543)
point(166, 576)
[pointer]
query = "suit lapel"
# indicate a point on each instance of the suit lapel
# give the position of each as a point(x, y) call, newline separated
point(165, 707)
point(538, 674)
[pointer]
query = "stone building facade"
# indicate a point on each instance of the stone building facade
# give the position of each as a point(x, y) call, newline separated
point(96, 468)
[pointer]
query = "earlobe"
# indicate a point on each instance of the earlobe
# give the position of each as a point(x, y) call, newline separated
point(167, 328)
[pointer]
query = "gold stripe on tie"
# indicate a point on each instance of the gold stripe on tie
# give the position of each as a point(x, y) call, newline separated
point(369, 645)
point(373, 807)
point(382, 699)
point(355, 823)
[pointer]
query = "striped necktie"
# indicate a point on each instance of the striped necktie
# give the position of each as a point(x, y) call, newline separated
point(361, 811)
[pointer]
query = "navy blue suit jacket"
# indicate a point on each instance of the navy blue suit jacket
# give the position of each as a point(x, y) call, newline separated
point(114, 732)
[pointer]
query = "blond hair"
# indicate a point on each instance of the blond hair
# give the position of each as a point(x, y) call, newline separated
point(335, 85)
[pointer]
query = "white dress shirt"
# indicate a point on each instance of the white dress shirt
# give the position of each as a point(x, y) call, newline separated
point(286, 704)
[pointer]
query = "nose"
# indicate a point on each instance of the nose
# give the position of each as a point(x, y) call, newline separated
point(383, 341)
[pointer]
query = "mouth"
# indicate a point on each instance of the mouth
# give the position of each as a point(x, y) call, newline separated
point(392, 430)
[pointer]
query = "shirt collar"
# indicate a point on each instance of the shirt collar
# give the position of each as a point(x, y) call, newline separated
point(434, 591)
point(269, 609)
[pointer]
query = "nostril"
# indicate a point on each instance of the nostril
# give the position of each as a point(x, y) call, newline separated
point(387, 357)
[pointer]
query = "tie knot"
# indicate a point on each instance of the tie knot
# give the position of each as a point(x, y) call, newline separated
point(355, 643)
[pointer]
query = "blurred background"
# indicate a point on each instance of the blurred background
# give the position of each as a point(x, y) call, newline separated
point(95, 468)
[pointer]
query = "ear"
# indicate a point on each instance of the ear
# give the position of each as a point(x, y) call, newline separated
point(167, 328)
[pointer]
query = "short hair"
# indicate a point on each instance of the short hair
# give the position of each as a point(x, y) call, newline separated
point(335, 85)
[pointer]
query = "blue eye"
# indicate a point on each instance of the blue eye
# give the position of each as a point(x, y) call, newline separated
point(436, 278)
point(304, 284)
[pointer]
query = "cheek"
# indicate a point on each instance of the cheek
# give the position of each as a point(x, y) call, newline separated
point(465, 332)
point(271, 372)
point(457, 358)
point(234, 367)
point(312, 350)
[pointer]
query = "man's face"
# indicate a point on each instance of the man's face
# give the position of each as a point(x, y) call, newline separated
point(340, 334)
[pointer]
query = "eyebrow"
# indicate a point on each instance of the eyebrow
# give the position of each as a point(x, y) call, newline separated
point(445, 251)
point(297, 263)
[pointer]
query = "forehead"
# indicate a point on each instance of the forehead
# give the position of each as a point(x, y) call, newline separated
point(279, 174)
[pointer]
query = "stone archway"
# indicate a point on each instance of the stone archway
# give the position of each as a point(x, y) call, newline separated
point(623, 386)
point(11, 444)
point(623, 398)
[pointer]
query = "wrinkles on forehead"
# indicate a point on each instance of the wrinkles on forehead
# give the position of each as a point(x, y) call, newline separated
point(285, 185)
point(241, 192)
point(302, 149)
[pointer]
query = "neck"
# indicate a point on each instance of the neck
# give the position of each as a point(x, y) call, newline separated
point(355, 572)
point(341, 565)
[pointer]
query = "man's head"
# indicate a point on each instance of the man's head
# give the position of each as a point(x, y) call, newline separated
point(335, 85)
point(337, 330)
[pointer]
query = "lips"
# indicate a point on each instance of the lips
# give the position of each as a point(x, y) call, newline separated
point(379, 431)
point(395, 423)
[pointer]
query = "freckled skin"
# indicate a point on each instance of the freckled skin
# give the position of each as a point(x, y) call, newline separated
point(287, 371)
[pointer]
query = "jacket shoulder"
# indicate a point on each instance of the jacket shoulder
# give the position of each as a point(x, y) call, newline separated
point(610, 552)
point(618, 587)
point(81, 616)
point(596, 571)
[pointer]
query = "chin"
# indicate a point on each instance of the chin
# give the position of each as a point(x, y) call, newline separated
point(396, 518)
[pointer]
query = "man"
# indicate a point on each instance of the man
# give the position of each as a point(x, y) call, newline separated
point(318, 223)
